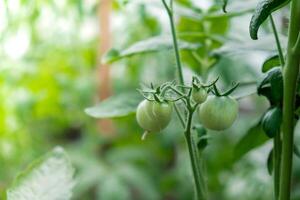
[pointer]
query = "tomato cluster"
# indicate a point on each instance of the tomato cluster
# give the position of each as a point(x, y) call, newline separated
point(216, 112)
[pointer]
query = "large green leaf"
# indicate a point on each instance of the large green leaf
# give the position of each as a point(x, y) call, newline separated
point(154, 44)
point(116, 106)
point(49, 178)
point(240, 47)
point(262, 12)
point(254, 137)
point(216, 14)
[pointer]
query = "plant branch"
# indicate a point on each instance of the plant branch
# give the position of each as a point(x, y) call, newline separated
point(282, 62)
point(175, 41)
point(197, 172)
point(296, 47)
point(166, 6)
point(276, 161)
point(198, 176)
point(290, 77)
point(179, 115)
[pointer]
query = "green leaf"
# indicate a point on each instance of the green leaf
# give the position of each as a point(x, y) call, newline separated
point(271, 121)
point(262, 12)
point(270, 162)
point(240, 47)
point(202, 137)
point(272, 86)
point(214, 13)
point(50, 177)
point(116, 106)
point(271, 62)
point(154, 44)
point(296, 151)
point(254, 138)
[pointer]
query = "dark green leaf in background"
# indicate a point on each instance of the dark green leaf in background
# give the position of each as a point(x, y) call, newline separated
point(270, 162)
point(202, 141)
point(271, 121)
point(271, 62)
point(262, 12)
point(297, 151)
point(272, 86)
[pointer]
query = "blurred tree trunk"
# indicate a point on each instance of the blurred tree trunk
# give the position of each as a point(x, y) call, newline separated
point(104, 87)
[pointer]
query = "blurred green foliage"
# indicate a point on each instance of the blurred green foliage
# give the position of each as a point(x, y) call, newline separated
point(48, 53)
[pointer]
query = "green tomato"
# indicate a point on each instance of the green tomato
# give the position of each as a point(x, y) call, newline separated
point(199, 95)
point(153, 116)
point(218, 113)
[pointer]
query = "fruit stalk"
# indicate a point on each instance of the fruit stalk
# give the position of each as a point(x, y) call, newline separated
point(169, 10)
point(197, 172)
point(198, 178)
point(279, 49)
point(277, 139)
point(290, 77)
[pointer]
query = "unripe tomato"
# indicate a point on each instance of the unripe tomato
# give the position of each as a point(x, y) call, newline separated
point(199, 95)
point(153, 116)
point(218, 113)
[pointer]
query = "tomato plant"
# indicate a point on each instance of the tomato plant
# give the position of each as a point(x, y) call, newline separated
point(218, 111)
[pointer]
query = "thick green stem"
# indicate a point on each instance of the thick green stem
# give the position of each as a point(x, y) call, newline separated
point(276, 159)
point(290, 77)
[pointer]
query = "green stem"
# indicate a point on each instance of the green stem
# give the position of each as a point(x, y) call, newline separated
point(290, 77)
point(198, 178)
point(277, 139)
point(197, 172)
point(276, 159)
point(179, 115)
point(175, 41)
point(200, 168)
point(281, 57)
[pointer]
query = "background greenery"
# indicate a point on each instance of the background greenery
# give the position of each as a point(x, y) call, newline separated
point(48, 53)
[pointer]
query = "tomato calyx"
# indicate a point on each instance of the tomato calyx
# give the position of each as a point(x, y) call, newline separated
point(196, 83)
point(216, 91)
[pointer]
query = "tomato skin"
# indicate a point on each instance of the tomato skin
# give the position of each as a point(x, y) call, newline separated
point(199, 95)
point(218, 113)
point(153, 116)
